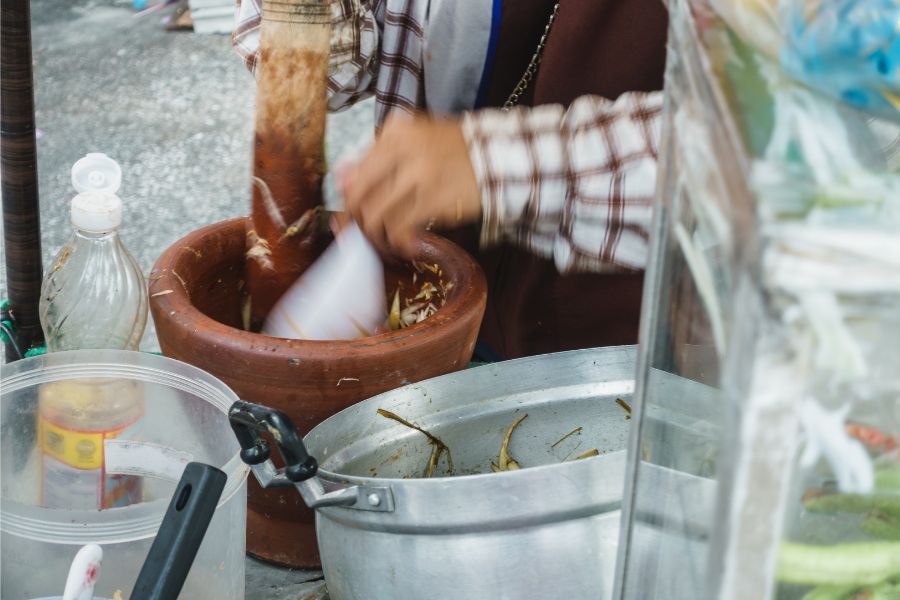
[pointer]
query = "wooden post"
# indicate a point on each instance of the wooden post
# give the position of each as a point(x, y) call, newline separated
point(288, 163)
point(18, 158)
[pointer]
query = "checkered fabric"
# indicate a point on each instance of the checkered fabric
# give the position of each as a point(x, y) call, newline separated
point(572, 184)
point(576, 185)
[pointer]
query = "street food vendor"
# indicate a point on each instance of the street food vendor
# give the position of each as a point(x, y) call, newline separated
point(527, 131)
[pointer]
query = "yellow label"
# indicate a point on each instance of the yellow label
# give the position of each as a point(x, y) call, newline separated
point(79, 449)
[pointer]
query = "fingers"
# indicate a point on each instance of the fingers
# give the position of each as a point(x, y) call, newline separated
point(386, 206)
point(365, 184)
point(404, 229)
point(378, 165)
point(418, 171)
point(383, 158)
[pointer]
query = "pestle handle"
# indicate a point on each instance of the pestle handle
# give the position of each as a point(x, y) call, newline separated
point(289, 157)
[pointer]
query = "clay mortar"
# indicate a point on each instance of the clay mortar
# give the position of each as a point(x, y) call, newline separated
point(196, 297)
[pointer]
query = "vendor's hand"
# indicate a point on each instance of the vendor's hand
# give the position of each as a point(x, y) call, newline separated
point(416, 174)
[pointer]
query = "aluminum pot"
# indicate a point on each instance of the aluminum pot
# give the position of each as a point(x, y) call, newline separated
point(386, 532)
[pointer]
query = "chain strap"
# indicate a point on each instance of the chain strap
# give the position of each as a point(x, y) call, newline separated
point(531, 70)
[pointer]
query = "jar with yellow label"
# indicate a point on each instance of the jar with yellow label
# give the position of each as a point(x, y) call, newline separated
point(93, 296)
point(75, 419)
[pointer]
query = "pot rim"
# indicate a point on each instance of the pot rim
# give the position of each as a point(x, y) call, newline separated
point(581, 488)
point(477, 478)
point(177, 305)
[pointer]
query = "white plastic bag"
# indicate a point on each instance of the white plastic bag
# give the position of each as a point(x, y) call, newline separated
point(340, 297)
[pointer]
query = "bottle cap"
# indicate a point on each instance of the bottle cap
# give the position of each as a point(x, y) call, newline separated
point(96, 208)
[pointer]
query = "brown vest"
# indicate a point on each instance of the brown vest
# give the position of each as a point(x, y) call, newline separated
point(601, 47)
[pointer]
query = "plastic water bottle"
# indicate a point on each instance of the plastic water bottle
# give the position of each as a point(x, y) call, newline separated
point(93, 296)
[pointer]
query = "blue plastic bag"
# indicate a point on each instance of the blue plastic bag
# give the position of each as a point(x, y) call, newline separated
point(848, 49)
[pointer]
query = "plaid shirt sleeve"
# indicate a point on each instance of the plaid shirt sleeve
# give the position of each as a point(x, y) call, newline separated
point(353, 63)
point(573, 185)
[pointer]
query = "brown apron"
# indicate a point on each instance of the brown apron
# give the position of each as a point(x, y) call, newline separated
point(601, 47)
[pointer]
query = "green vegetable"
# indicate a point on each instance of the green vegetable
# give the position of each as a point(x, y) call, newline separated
point(864, 563)
point(883, 591)
point(888, 504)
point(887, 479)
point(886, 591)
point(830, 592)
point(882, 525)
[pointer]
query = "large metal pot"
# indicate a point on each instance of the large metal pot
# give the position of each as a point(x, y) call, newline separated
point(549, 530)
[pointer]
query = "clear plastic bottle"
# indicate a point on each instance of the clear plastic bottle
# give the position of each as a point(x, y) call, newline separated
point(93, 296)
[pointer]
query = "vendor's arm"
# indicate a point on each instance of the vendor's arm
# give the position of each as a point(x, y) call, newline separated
point(574, 185)
point(353, 62)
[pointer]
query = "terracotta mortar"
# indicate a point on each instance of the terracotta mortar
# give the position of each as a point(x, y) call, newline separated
point(196, 299)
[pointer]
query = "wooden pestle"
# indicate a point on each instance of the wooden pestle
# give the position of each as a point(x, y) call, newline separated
point(288, 162)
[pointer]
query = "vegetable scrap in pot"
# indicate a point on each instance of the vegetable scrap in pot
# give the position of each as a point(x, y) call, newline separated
point(588, 454)
point(259, 249)
point(421, 267)
point(426, 301)
point(625, 406)
point(246, 312)
point(394, 314)
point(437, 446)
point(427, 291)
point(575, 431)
point(504, 460)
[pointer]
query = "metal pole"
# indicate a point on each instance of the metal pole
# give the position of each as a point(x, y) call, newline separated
point(18, 158)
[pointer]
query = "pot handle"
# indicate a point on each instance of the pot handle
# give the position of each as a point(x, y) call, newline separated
point(248, 420)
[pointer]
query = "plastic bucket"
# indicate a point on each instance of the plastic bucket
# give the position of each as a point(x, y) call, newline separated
point(184, 419)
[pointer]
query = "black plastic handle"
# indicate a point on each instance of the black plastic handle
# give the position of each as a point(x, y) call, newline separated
point(178, 539)
point(248, 420)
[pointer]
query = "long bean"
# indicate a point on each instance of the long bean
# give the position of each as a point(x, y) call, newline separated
point(888, 504)
point(863, 563)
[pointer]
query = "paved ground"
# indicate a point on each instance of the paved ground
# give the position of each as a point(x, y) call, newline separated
point(265, 582)
point(175, 109)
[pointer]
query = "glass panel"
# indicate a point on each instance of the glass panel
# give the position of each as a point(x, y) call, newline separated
point(763, 462)
point(668, 518)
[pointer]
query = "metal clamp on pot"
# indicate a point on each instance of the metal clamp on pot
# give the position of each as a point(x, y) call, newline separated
point(249, 420)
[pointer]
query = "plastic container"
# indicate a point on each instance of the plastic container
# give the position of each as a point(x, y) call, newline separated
point(185, 419)
point(94, 294)
point(340, 297)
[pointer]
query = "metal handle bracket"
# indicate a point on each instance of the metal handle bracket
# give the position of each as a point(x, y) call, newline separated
point(249, 420)
point(359, 497)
